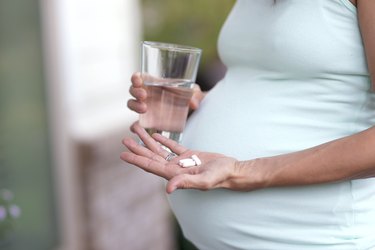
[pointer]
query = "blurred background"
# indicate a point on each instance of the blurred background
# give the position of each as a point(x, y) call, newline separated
point(65, 68)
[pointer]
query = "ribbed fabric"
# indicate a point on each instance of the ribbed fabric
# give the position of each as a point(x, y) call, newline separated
point(297, 77)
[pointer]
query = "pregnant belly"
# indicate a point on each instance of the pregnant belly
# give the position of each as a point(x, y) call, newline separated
point(252, 118)
point(319, 217)
point(262, 119)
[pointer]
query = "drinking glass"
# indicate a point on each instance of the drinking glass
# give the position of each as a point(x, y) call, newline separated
point(168, 72)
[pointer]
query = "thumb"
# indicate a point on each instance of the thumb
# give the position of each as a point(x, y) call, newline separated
point(187, 181)
point(194, 103)
point(196, 98)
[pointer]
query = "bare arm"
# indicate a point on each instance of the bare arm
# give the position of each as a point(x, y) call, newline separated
point(347, 158)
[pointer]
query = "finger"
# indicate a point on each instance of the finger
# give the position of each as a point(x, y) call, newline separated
point(171, 144)
point(150, 143)
point(194, 103)
point(139, 93)
point(140, 150)
point(136, 79)
point(196, 98)
point(146, 164)
point(137, 106)
point(132, 127)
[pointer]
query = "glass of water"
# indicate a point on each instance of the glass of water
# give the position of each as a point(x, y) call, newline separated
point(168, 72)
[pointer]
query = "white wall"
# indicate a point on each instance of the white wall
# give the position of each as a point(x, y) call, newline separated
point(91, 48)
point(99, 49)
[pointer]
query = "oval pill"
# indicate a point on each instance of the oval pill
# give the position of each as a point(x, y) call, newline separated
point(196, 159)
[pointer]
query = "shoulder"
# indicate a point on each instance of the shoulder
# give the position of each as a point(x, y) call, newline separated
point(354, 2)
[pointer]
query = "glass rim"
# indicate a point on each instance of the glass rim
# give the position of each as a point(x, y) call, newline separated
point(172, 46)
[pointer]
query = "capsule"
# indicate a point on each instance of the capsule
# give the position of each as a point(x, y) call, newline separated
point(185, 163)
point(196, 159)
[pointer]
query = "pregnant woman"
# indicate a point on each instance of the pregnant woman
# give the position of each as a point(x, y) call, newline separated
point(286, 140)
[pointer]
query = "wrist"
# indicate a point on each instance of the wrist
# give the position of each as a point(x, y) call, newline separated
point(250, 175)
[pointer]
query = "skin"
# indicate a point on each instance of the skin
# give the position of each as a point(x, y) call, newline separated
point(348, 158)
point(138, 104)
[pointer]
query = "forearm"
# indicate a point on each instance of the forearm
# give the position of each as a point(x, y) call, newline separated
point(352, 157)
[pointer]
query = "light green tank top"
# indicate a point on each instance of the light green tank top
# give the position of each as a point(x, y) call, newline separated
point(297, 77)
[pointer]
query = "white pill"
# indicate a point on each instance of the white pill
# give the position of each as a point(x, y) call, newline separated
point(182, 161)
point(187, 163)
point(196, 159)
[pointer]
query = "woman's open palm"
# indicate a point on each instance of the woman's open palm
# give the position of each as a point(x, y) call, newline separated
point(215, 171)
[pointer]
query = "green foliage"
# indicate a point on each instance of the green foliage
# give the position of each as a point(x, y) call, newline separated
point(196, 23)
point(9, 212)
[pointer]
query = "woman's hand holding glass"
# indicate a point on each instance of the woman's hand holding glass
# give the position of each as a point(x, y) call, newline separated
point(138, 91)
